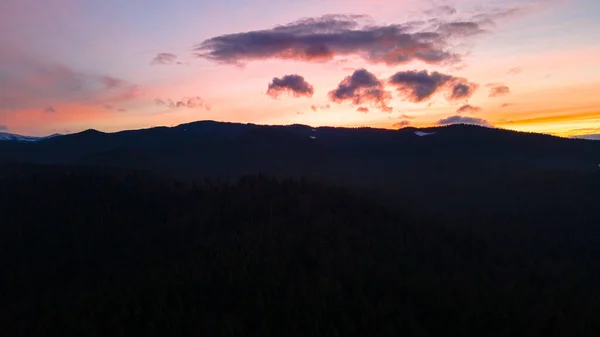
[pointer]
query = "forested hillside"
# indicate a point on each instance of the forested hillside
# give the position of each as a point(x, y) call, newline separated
point(98, 252)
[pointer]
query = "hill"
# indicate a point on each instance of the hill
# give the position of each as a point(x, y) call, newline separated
point(110, 252)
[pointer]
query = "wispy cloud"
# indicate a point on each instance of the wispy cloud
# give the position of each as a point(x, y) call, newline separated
point(186, 102)
point(464, 120)
point(468, 109)
point(506, 105)
point(362, 109)
point(401, 124)
point(164, 58)
point(33, 83)
point(320, 107)
point(362, 87)
point(498, 91)
point(294, 85)
point(515, 70)
point(50, 109)
point(3, 128)
point(443, 10)
point(418, 86)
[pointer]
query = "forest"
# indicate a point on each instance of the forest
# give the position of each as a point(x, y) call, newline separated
point(92, 251)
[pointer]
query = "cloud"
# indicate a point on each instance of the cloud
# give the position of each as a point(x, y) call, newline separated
point(401, 124)
point(362, 109)
point(505, 105)
point(589, 137)
point(440, 11)
point(515, 70)
point(316, 108)
point(294, 85)
point(186, 102)
point(30, 83)
point(164, 58)
point(362, 87)
point(50, 109)
point(468, 108)
point(419, 86)
point(326, 37)
point(334, 36)
point(111, 82)
point(461, 89)
point(406, 116)
point(108, 107)
point(464, 120)
point(3, 128)
point(498, 91)
point(460, 29)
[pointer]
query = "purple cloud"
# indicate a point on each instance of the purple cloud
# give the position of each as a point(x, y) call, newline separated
point(418, 86)
point(164, 58)
point(468, 108)
point(362, 87)
point(440, 11)
point(323, 38)
point(186, 102)
point(3, 128)
point(498, 91)
point(464, 120)
point(294, 85)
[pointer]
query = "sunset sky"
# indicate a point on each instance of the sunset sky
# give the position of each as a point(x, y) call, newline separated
point(71, 65)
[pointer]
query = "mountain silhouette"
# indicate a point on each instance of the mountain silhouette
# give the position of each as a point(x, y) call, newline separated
point(233, 149)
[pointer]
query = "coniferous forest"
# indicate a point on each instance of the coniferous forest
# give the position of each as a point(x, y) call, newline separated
point(90, 251)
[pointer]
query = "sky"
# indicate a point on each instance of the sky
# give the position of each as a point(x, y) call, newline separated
point(528, 65)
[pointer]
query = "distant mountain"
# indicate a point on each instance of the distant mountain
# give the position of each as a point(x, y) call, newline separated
point(18, 138)
point(365, 154)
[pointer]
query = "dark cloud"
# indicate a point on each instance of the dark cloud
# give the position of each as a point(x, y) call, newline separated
point(461, 89)
point(440, 11)
point(333, 36)
point(362, 109)
point(294, 85)
point(505, 105)
point(418, 86)
point(50, 109)
point(515, 70)
point(468, 108)
point(498, 91)
point(324, 38)
point(362, 87)
point(3, 128)
point(401, 124)
point(186, 102)
point(464, 120)
point(316, 108)
point(165, 58)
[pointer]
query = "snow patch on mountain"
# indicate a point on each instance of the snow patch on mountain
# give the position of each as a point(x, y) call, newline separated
point(18, 138)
